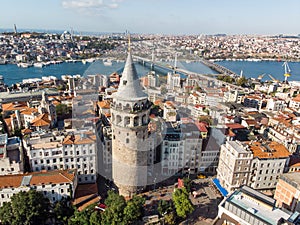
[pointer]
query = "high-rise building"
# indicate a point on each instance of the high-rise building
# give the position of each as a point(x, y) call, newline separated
point(130, 117)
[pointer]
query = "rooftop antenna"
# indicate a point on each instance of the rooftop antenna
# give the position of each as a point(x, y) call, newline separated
point(129, 44)
point(287, 71)
point(175, 63)
point(15, 29)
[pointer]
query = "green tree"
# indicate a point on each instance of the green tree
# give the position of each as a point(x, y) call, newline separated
point(63, 210)
point(182, 203)
point(26, 208)
point(134, 209)
point(84, 217)
point(62, 109)
point(164, 207)
point(187, 184)
point(114, 213)
point(170, 218)
point(242, 81)
point(95, 218)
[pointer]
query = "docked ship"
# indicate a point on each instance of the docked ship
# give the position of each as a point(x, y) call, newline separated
point(24, 65)
point(107, 62)
point(39, 64)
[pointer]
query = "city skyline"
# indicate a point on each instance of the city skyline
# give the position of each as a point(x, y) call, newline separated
point(153, 16)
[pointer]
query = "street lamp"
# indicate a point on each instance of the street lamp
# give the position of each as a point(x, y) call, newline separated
point(189, 173)
point(154, 183)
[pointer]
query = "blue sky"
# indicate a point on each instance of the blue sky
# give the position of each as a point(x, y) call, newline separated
point(155, 16)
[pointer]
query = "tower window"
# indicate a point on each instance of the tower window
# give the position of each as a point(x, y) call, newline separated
point(124, 82)
point(127, 140)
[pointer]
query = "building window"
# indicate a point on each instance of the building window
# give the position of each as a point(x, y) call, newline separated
point(127, 140)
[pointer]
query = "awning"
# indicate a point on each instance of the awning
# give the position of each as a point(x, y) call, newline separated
point(220, 188)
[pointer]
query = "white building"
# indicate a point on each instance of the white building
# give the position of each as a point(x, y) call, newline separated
point(153, 80)
point(181, 149)
point(76, 151)
point(170, 112)
point(249, 207)
point(11, 155)
point(295, 102)
point(234, 165)
point(173, 81)
point(269, 161)
point(274, 104)
point(233, 96)
point(54, 185)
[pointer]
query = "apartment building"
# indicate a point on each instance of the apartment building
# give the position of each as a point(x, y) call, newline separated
point(53, 184)
point(75, 151)
point(234, 165)
point(246, 206)
point(181, 149)
point(287, 193)
point(269, 162)
point(11, 155)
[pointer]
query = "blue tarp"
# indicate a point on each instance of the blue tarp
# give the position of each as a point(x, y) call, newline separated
point(220, 188)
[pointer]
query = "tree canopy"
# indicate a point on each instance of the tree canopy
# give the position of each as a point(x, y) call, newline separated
point(182, 203)
point(118, 212)
point(121, 212)
point(27, 208)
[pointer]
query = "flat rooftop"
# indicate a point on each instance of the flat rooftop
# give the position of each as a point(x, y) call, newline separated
point(46, 145)
point(269, 150)
point(238, 147)
point(292, 178)
point(258, 205)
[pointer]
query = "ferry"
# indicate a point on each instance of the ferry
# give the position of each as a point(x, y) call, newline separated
point(107, 62)
point(24, 65)
point(38, 64)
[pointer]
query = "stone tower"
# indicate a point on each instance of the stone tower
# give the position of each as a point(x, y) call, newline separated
point(130, 117)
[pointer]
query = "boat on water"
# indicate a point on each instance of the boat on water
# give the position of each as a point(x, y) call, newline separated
point(107, 62)
point(24, 65)
point(39, 64)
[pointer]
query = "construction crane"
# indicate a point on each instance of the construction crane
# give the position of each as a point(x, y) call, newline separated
point(287, 71)
point(273, 79)
point(261, 76)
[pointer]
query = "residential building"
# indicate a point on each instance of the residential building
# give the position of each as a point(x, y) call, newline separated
point(276, 104)
point(53, 184)
point(11, 155)
point(75, 151)
point(295, 102)
point(269, 162)
point(173, 81)
point(170, 112)
point(210, 152)
point(181, 149)
point(287, 193)
point(246, 206)
point(234, 165)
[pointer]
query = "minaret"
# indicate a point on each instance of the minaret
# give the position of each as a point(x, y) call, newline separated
point(130, 117)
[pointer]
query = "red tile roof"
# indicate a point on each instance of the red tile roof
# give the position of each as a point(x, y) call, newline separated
point(234, 126)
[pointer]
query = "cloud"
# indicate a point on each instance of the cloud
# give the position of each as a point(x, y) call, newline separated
point(91, 4)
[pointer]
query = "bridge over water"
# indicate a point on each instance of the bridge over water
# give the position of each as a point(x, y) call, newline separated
point(151, 64)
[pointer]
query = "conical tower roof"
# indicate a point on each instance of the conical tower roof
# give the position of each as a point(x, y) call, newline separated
point(130, 88)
